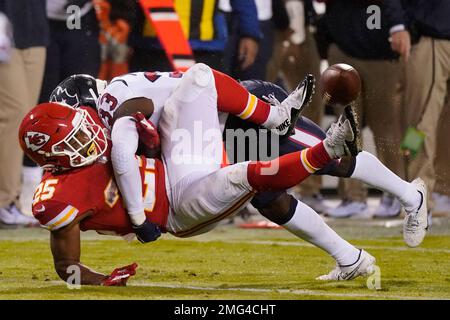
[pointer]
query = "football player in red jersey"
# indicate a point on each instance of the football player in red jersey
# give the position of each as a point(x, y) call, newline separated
point(183, 198)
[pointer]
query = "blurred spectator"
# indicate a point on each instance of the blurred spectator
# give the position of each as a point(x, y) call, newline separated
point(206, 28)
point(359, 37)
point(21, 71)
point(247, 58)
point(442, 163)
point(74, 48)
point(114, 17)
point(427, 74)
point(295, 55)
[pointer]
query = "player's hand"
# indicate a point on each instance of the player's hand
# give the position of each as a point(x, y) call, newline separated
point(248, 50)
point(120, 276)
point(147, 131)
point(401, 43)
point(147, 232)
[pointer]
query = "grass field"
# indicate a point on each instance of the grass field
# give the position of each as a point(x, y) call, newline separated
point(232, 263)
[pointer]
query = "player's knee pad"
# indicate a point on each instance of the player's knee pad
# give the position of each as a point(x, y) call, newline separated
point(201, 74)
point(198, 78)
point(237, 174)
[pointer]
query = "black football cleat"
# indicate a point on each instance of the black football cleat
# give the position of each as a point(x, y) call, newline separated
point(354, 146)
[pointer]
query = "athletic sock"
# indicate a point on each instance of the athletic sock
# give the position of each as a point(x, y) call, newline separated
point(371, 171)
point(309, 226)
point(288, 170)
point(235, 99)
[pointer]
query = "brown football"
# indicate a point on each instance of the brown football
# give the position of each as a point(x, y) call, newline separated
point(340, 84)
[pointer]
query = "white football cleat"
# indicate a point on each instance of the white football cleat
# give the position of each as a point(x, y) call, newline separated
point(284, 117)
point(364, 266)
point(338, 135)
point(415, 224)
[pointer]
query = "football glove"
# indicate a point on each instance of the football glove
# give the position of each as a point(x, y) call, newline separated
point(120, 276)
point(148, 134)
point(147, 232)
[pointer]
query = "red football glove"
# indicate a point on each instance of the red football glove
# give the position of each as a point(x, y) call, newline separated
point(147, 131)
point(120, 276)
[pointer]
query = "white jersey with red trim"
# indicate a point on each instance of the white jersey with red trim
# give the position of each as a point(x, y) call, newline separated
point(157, 86)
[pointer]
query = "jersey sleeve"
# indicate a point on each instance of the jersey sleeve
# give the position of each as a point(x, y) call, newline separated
point(54, 215)
point(116, 93)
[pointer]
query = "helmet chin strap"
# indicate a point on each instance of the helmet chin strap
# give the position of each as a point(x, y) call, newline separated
point(93, 94)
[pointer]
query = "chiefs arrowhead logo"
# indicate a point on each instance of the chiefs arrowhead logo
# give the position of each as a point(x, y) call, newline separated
point(62, 96)
point(36, 140)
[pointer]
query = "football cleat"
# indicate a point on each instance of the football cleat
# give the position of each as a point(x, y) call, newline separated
point(290, 109)
point(415, 224)
point(348, 208)
point(355, 145)
point(338, 135)
point(364, 266)
point(308, 84)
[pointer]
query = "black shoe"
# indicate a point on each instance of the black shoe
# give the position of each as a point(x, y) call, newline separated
point(354, 146)
point(309, 84)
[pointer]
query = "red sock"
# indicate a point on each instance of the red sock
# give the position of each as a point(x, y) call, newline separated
point(235, 99)
point(288, 170)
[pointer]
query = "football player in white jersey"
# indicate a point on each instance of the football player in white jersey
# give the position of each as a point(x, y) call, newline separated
point(147, 93)
point(124, 88)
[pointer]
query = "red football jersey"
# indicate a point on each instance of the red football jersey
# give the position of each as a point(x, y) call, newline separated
point(60, 198)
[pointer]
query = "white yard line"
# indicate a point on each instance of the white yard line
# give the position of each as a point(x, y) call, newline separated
point(283, 291)
point(298, 292)
point(303, 244)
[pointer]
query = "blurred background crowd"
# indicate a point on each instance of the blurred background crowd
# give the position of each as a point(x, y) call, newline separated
point(401, 49)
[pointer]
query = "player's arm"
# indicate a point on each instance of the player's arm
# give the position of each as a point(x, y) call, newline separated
point(125, 136)
point(132, 106)
point(65, 247)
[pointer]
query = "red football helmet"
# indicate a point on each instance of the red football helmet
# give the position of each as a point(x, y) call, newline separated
point(59, 137)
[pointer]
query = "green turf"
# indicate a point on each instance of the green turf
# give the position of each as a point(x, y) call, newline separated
point(229, 263)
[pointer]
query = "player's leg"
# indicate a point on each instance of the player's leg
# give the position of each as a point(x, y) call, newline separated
point(201, 200)
point(279, 116)
point(305, 223)
point(191, 139)
point(364, 167)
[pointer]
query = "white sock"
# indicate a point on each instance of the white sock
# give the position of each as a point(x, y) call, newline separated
point(370, 170)
point(309, 226)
